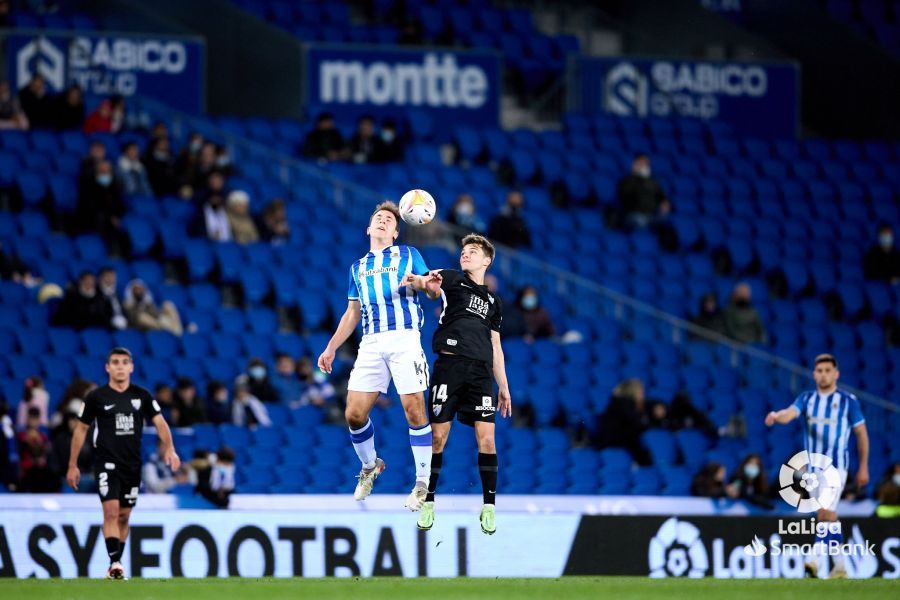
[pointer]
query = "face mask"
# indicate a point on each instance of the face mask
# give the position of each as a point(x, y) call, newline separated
point(257, 372)
point(222, 161)
point(319, 377)
point(643, 171)
point(751, 470)
point(465, 210)
point(160, 155)
point(529, 302)
point(387, 136)
point(195, 146)
point(105, 180)
point(896, 478)
point(886, 240)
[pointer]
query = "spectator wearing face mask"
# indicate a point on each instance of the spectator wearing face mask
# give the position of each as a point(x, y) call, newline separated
point(882, 261)
point(710, 316)
point(259, 383)
point(83, 306)
point(160, 167)
point(101, 208)
point(392, 147)
point(316, 390)
point(538, 323)
point(189, 154)
point(11, 114)
point(132, 173)
point(247, 410)
point(742, 320)
point(508, 226)
point(218, 404)
point(641, 197)
point(285, 379)
point(108, 286)
point(221, 481)
point(464, 215)
point(33, 396)
point(274, 224)
point(144, 314)
point(366, 146)
point(243, 229)
point(750, 483)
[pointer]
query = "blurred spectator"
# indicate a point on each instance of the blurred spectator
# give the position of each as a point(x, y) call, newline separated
point(101, 208)
point(82, 306)
point(157, 476)
point(163, 394)
point(223, 161)
point(188, 403)
point(5, 21)
point(132, 172)
point(275, 226)
point(69, 108)
point(887, 493)
point(212, 220)
point(189, 155)
point(221, 478)
point(508, 227)
point(198, 173)
point(538, 323)
point(641, 198)
point(285, 379)
point(108, 283)
point(9, 456)
point(243, 229)
point(682, 414)
point(71, 402)
point(463, 214)
point(621, 424)
point(62, 441)
point(247, 409)
point(34, 396)
point(710, 316)
point(160, 168)
point(11, 114)
point(12, 268)
point(750, 482)
point(214, 185)
point(217, 403)
point(710, 482)
point(392, 149)
point(96, 154)
point(365, 145)
point(36, 103)
point(107, 117)
point(513, 321)
point(260, 385)
point(742, 321)
point(34, 450)
point(411, 32)
point(882, 261)
point(325, 141)
point(144, 314)
point(316, 389)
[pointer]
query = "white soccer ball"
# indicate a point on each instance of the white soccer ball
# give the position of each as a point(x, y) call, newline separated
point(417, 207)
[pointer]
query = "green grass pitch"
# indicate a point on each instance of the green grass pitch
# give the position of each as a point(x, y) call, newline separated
point(568, 588)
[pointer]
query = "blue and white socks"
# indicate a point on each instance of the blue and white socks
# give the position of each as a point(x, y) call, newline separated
point(364, 443)
point(420, 442)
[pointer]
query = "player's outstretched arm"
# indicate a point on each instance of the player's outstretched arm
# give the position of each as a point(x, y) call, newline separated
point(170, 457)
point(862, 447)
point(505, 403)
point(73, 474)
point(344, 329)
point(782, 417)
point(430, 284)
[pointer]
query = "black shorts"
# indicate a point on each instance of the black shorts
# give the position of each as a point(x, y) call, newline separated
point(462, 387)
point(115, 483)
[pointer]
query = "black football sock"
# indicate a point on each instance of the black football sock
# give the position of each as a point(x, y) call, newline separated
point(121, 552)
point(112, 548)
point(437, 459)
point(487, 466)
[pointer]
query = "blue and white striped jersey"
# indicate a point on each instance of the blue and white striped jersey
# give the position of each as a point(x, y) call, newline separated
point(375, 282)
point(828, 421)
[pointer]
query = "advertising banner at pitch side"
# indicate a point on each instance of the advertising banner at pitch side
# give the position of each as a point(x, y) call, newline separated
point(169, 69)
point(462, 88)
point(755, 99)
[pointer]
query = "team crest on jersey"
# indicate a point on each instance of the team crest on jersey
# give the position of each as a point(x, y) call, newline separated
point(136, 403)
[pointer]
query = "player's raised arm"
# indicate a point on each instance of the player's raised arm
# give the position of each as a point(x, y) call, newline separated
point(430, 283)
point(505, 399)
point(345, 328)
point(783, 416)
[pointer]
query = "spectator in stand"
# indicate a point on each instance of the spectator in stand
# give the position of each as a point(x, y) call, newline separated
point(316, 389)
point(34, 396)
point(274, 226)
point(36, 102)
point(750, 482)
point(215, 185)
point(163, 394)
point(108, 284)
point(96, 155)
point(463, 214)
point(221, 478)
point(391, 145)
point(5, 21)
point(243, 229)
point(217, 402)
point(538, 322)
point(160, 168)
point(198, 175)
point(34, 451)
point(101, 208)
point(366, 145)
point(71, 402)
point(710, 316)
point(882, 261)
point(69, 108)
point(190, 154)
point(260, 385)
point(190, 406)
point(83, 307)
point(887, 493)
point(508, 227)
point(107, 117)
point(212, 221)
point(144, 314)
point(285, 380)
point(61, 441)
point(622, 423)
point(157, 476)
point(513, 321)
point(641, 198)
point(223, 161)
point(13, 269)
point(742, 321)
point(324, 143)
point(11, 114)
point(411, 32)
point(247, 409)
point(9, 479)
point(710, 482)
point(132, 172)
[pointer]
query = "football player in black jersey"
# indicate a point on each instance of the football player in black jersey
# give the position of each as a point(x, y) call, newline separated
point(119, 409)
point(469, 356)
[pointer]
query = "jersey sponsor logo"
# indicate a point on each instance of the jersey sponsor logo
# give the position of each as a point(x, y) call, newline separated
point(108, 406)
point(379, 271)
point(124, 424)
point(465, 286)
point(136, 403)
point(478, 306)
point(487, 406)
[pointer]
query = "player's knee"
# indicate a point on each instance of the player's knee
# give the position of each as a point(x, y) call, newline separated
point(122, 519)
point(110, 514)
point(486, 445)
point(356, 418)
point(415, 415)
point(438, 440)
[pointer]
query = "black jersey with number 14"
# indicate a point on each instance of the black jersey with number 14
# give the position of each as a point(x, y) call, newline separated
point(120, 423)
point(470, 313)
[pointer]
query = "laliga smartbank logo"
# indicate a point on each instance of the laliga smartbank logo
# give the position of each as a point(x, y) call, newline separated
point(815, 475)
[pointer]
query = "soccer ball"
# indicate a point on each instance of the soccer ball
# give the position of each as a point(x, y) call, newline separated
point(417, 207)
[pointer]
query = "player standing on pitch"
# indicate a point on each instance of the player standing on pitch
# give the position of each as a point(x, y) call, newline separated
point(828, 415)
point(467, 343)
point(119, 409)
point(391, 348)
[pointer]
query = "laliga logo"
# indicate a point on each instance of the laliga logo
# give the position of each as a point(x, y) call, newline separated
point(50, 63)
point(822, 487)
point(677, 551)
point(625, 91)
point(756, 547)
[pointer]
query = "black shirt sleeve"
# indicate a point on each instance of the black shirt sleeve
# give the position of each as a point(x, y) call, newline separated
point(88, 411)
point(497, 317)
point(449, 277)
point(149, 405)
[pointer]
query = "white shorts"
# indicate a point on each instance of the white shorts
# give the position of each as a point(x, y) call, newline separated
point(390, 355)
point(840, 491)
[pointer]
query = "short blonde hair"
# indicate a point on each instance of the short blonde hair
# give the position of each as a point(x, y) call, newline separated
point(389, 206)
point(482, 242)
